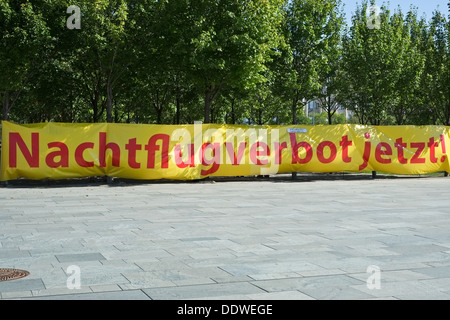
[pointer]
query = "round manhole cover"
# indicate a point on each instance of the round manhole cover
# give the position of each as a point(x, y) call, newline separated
point(12, 274)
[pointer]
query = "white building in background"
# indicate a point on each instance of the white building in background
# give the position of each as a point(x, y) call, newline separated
point(312, 109)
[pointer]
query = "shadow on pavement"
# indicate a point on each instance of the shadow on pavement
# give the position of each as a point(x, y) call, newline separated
point(285, 178)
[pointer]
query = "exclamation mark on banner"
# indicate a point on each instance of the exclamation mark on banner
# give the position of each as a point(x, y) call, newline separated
point(443, 148)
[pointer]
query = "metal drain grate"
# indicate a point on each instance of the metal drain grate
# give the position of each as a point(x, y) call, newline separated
point(7, 274)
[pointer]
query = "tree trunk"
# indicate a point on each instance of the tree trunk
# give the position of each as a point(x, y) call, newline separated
point(210, 94)
point(294, 110)
point(330, 110)
point(260, 115)
point(294, 122)
point(233, 115)
point(6, 103)
point(159, 115)
point(178, 103)
point(94, 114)
point(208, 102)
point(448, 115)
point(109, 98)
point(94, 103)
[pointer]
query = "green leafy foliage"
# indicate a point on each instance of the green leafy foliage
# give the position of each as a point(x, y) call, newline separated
point(224, 61)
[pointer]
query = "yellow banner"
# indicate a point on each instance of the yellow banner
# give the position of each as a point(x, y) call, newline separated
point(187, 152)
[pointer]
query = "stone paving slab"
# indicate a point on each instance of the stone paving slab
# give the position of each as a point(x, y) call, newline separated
point(112, 295)
point(21, 285)
point(266, 239)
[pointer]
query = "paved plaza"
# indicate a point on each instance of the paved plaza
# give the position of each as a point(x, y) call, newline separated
point(314, 238)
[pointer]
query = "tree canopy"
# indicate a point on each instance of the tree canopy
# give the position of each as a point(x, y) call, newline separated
point(221, 61)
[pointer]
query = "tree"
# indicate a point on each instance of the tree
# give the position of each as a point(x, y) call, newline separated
point(310, 28)
point(232, 41)
point(329, 70)
point(25, 46)
point(162, 41)
point(100, 51)
point(438, 68)
point(408, 64)
point(368, 68)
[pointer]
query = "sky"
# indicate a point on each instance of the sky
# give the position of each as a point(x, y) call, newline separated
point(426, 7)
